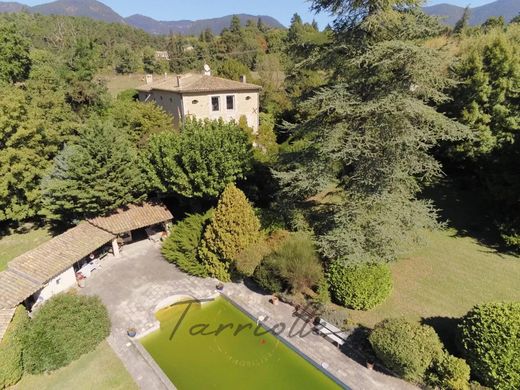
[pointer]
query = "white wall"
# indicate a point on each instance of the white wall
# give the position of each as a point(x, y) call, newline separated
point(60, 283)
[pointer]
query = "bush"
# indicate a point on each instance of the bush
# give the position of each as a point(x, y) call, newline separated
point(233, 228)
point(359, 286)
point(181, 245)
point(298, 263)
point(63, 329)
point(449, 373)
point(268, 277)
point(11, 365)
point(490, 342)
point(405, 347)
point(294, 264)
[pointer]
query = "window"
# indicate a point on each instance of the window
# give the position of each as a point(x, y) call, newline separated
point(215, 103)
point(230, 102)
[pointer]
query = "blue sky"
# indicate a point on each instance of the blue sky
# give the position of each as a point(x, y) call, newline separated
point(202, 9)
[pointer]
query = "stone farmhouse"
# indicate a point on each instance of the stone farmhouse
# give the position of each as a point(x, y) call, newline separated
point(203, 96)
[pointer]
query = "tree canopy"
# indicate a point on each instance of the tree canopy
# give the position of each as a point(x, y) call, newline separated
point(94, 175)
point(200, 160)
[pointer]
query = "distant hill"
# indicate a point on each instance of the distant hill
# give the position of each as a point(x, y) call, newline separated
point(194, 27)
point(11, 7)
point(96, 10)
point(452, 13)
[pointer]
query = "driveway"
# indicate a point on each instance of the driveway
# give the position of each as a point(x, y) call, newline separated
point(132, 285)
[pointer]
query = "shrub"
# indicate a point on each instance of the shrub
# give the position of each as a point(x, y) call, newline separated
point(64, 328)
point(11, 365)
point(490, 342)
point(294, 264)
point(298, 263)
point(233, 228)
point(405, 347)
point(359, 286)
point(248, 260)
point(181, 245)
point(268, 277)
point(449, 373)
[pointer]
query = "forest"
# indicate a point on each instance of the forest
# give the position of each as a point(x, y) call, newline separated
point(364, 124)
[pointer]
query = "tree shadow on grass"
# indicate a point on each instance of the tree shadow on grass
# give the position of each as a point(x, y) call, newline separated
point(463, 206)
point(446, 328)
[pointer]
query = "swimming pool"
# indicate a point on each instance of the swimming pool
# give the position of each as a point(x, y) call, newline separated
point(193, 356)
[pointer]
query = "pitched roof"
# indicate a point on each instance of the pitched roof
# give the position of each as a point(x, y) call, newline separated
point(133, 217)
point(29, 272)
point(43, 263)
point(15, 288)
point(191, 83)
point(6, 315)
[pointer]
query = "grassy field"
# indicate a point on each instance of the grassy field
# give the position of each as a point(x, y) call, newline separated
point(118, 83)
point(100, 369)
point(17, 243)
point(445, 278)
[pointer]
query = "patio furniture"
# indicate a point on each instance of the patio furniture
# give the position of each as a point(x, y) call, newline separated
point(331, 333)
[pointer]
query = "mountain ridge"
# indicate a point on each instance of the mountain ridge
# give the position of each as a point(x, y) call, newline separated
point(478, 15)
point(98, 11)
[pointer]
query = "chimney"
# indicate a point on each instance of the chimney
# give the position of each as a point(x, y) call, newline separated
point(149, 79)
point(165, 75)
point(179, 80)
point(243, 79)
point(207, 70)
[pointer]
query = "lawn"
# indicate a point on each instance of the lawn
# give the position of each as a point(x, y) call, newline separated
point(119, 83)
point(100, 369)
point(445, 278)
point(15, 244)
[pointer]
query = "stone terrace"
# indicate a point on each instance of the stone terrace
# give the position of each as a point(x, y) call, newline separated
point(131, 287)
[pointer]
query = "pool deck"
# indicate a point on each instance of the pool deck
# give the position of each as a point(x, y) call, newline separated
point(132, 285)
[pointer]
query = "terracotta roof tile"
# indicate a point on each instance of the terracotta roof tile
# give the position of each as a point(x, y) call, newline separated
point(61, 252)
point(28, 273)
point(133, 217)
point(15, 288)
point(191, 83)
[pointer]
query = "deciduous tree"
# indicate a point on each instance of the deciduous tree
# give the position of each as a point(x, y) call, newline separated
point(200, 160)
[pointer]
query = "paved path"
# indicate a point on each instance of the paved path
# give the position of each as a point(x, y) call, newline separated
point(131, 287)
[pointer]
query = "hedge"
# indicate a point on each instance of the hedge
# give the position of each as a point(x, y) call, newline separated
point(490, 341)
point(63, 329)
point(11, 365)
point(406, 347)
point(359, 286)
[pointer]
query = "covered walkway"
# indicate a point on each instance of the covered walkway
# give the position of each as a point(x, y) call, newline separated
point(32, 271)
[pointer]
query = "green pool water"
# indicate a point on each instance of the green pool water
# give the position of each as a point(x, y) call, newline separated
point(226, 361)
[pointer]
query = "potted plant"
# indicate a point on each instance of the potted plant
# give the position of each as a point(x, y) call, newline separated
point(131, 332)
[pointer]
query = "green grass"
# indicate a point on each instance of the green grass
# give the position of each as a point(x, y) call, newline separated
point(99, 369)
point(17, 243)
point(119, 83)
point(445, 278)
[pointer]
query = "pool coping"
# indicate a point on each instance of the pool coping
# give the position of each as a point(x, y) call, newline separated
point(286, 342)
point(170, 385)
